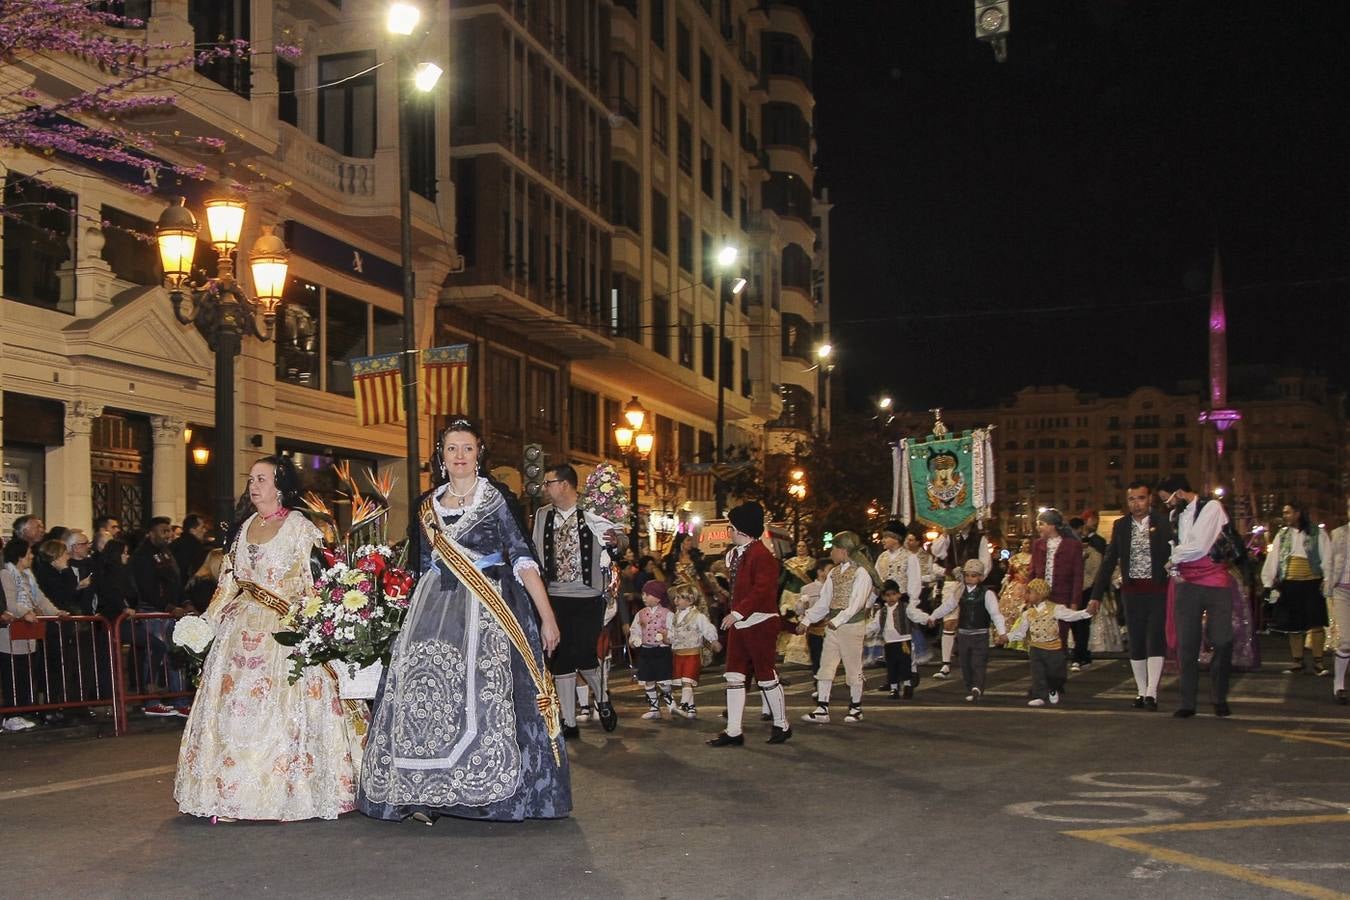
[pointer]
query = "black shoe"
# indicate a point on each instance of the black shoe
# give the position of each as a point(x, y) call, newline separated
point(571, 732)
point(779, 736)
point(766, 717)
point(727, 740)
point(609, 719)
point(1341, 697)
point(907, 691)
point(1295, 669)
point(1151, 704)
point(1138, 703)
point(1183, 713)
point(883, 689)
point(1221, 710)
point(895, 695)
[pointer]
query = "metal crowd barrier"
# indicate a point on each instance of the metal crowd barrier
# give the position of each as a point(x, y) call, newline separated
point(71, 664)
point(147, 669)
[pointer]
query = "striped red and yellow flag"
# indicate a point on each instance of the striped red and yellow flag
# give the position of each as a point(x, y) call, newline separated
point(445, 373)
point(378, 381)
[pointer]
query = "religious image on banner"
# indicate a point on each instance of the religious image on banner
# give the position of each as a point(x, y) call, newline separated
point(944, 480)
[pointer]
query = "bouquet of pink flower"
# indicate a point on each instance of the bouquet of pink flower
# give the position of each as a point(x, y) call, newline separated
point(353, 614)
point(604, 494)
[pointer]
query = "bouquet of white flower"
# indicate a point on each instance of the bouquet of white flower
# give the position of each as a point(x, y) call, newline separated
point(194, 635)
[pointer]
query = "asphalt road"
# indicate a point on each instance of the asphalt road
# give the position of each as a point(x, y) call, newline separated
point(932, 797)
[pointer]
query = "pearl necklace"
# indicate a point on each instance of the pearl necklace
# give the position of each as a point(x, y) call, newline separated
point(450, 486)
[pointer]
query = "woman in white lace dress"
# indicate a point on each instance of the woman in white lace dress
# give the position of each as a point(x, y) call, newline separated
point(257, 746)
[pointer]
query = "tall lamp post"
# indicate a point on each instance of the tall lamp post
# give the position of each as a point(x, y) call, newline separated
point(634, 436)
point(726, 259)
point(219, 307)
point(797, 491)
point(823, 369)
point(402, 21)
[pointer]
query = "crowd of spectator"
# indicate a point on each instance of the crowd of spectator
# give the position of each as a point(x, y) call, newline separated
point(62, 572)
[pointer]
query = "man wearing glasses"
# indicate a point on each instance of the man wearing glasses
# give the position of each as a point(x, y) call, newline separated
point(575, 545)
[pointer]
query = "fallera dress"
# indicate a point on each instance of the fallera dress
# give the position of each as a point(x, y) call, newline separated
point(458, 729)
point(255, 745)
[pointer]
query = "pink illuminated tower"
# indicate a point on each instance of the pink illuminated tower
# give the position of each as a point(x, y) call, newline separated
point(1223, 417)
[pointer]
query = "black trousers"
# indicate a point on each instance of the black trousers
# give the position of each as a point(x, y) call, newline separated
point(1146, 623)
point(899, 662)
point(814, 644)
point(579, 622)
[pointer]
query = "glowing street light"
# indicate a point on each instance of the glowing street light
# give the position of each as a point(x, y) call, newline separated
point(402, 18)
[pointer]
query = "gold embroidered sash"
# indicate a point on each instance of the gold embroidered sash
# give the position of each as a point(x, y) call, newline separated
point(487, 593)
point(355, 710)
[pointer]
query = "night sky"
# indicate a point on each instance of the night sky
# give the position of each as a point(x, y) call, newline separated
point(1053, 218)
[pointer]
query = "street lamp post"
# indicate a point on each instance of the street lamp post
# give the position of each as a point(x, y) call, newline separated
point(635, 439)
point(823, 369)
point(797, 491)
point(726, 258)
point(402, 21)
point(220, 308)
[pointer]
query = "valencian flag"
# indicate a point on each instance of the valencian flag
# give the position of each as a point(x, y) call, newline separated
point(944, 480)
point(378, 381)
point(445, 375)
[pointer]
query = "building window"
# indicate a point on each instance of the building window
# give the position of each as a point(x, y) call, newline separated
point(686, 243)
point(745, 207)
point(345, 333)
point(787, 195)
point(542, 386)
point(686, 346)
point(705, 168)
point(785, 55)
point(705, 446)
point(785, 125)
point(709, 261)
point(298, 334)
point(216, 23)
point(288, 102)
point(705, 78)
point(796, 268)
point(687, 446)
point(39, 243)
point(684, 145)
point(129, 246)
point(625, 198)
point(503, 372)
point(726, 104)
point(625, 87)
point(386, 334)
point(661, 325)
point(708, 340)
point(658, 23)
point(625, 308)
point(683, 54)
point(422, 147)
point(347, 104)
point(745, 373)
point(660, 223)
point(728, 193)
point(660, 119)
point(609, 417)
point(583, 430)
point(464, 86)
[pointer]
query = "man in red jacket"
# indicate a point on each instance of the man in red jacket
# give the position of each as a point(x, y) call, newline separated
point(752, 628)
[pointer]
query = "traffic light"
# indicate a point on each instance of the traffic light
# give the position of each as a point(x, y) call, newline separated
point(533, 470)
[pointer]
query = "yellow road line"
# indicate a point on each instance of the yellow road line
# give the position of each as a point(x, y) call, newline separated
point(78, 783)
point(1303, 736)
point(1116, 837)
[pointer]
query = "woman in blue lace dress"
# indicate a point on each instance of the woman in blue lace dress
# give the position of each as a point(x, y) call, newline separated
point(466, 721)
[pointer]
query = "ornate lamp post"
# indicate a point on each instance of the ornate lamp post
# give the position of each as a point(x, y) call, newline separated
point(219, 308)
point(635, 438)
point(726, 259)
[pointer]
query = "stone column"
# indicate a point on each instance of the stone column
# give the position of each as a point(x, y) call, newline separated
point(70, 499)
point(168, 468)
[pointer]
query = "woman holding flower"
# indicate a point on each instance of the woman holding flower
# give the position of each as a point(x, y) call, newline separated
point(466, 719)
point(257, 746)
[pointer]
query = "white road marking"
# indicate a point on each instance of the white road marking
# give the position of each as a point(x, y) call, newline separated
point(1144, 781)
point(78, 783)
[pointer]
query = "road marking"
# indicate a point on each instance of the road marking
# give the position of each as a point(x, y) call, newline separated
point(79, 783)
point(1119, 839)
point(1343, 744)
point(1142, 812)
point(1171, 781)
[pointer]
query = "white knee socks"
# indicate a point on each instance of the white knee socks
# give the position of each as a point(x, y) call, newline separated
point(823, 691)
point(687, 692)
point(567, 697)
point(948, 645)
point(772, 692)
point(1140, 669)
point(592, 678)
point(735, 702)
point(1155, 669)
point(1342, 662)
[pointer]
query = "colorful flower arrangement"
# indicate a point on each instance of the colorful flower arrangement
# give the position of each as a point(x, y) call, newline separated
point(604, 494)
point(354, 613)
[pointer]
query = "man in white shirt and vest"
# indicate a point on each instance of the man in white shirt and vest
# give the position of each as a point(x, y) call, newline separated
point(574, 546)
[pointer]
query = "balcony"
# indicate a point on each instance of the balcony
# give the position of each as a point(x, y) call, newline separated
point(516, 312)
point(665, 381)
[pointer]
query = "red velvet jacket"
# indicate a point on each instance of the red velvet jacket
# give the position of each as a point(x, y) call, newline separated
point(1068, 587)
point(756, 588)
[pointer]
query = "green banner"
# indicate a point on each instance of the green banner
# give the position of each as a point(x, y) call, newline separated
point(942, 477)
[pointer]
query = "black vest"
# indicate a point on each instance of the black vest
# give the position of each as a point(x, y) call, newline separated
point(973, 613)
point(585, 541)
